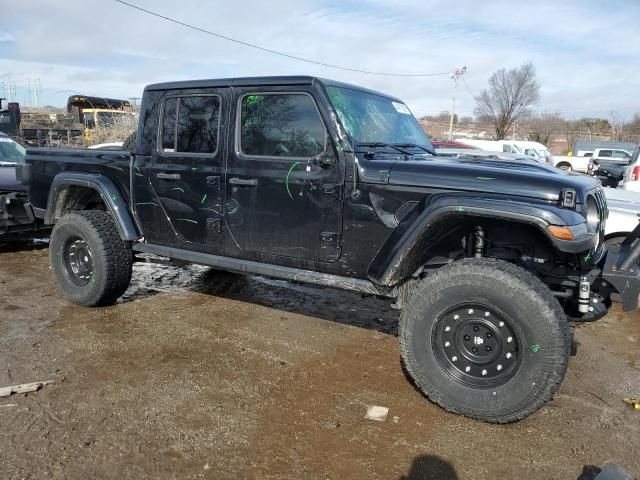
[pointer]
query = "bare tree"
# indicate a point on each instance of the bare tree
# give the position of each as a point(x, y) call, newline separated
point(540, 129)
point(510, 94)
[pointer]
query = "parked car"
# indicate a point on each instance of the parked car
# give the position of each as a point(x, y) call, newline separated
point(531, 149)
point(466, 153)
point(582, 147)
point(611, 164)
point(609, 154)
point(624, 214)
point(16, 217)
point(572, 164)
point(487, 259)
point(631, 177)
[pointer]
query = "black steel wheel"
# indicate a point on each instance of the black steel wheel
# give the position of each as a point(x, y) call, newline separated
point(78, 260)
point(476, 345)
point(485, 339)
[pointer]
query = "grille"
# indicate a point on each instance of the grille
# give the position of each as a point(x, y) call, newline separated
point(601, 205)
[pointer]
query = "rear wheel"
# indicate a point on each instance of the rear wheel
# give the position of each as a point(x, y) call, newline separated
point(485, 339)
point(91, 262)
point(565, 166)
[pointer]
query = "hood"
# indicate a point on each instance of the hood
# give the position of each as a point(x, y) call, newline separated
point(517, 178)
point(8, 181)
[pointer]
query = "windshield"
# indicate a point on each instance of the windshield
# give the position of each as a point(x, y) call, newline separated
point(372, 118)
point(10, 151)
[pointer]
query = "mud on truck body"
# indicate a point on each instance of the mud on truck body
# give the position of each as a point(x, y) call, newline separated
point(317, 181)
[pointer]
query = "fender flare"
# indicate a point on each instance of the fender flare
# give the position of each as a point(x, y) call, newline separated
point(405, 247)
point(109, 193)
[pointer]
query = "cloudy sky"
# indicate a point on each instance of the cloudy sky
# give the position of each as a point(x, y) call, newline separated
point(586, 53)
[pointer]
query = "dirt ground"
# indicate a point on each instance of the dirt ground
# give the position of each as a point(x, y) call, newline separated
point(203, 374)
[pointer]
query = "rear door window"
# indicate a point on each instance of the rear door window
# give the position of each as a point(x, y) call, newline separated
point(605, 154)
point(190, 124)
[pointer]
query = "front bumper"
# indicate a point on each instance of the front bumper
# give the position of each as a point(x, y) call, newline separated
point(622, 272)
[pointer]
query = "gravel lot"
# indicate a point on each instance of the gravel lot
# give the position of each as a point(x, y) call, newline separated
point(204, 374)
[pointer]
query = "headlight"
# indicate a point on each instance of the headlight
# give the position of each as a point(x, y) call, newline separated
point(593, 219)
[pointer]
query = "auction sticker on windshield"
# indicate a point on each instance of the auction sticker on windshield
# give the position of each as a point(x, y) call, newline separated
point(6, 140)
point(401, 108)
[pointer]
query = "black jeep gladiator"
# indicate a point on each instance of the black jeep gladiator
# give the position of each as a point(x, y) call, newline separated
point(317, 181)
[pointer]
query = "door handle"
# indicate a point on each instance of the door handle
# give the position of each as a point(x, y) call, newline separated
point(168, 176)
point(249, 182)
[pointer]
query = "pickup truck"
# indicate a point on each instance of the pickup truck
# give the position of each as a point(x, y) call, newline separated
point(17, 221)
point(318, 181)
point(572, 164)
point(612, 164)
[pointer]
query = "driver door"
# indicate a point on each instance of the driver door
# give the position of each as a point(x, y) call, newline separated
point(283, 182)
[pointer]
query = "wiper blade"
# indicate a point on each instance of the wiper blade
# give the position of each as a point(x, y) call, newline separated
point(414, 145)
point(382, 144)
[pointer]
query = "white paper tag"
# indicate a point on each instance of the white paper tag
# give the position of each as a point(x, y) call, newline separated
point(6, 140)
point(401, 108)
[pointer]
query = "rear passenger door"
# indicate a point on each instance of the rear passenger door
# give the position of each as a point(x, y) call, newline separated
point(187, 167)
point(283, 182)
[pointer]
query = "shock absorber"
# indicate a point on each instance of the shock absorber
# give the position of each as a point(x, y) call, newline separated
point(478, 242)
point(584, 294)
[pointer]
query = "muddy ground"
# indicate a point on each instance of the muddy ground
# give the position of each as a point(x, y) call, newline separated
point(203, 374)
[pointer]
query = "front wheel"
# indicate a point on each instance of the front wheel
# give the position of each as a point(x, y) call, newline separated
point(485, 339)
point(91, 262)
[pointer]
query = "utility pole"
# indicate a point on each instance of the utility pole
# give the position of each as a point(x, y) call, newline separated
point(455, 76)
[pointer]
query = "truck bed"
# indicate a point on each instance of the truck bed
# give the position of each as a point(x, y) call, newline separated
point(43, 164)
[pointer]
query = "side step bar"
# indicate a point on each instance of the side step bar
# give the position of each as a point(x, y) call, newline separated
point(249, 267)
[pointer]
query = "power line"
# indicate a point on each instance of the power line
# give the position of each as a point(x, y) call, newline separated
point(468, 89)
point(275, 52)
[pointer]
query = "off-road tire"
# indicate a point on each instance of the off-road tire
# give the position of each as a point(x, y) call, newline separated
point(111, 257)
point(537, 318)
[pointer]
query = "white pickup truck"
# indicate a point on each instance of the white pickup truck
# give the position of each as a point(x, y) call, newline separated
point(572, 164)
point(624, 213)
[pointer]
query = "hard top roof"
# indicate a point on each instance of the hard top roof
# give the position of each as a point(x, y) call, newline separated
point(259, 81)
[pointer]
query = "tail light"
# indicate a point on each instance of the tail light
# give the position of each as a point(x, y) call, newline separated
point(635, 174)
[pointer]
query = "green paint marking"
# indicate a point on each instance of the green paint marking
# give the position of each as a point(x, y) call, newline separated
point(535, 348)
point(138, 170)
point(178, 188)
point(187, 220)
point(286, 180)
point(147, 203)
point(485, 178)
point(204, 199)
point(459, 209)
point(114, 197)
point(587, 257)
point(194, 169)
